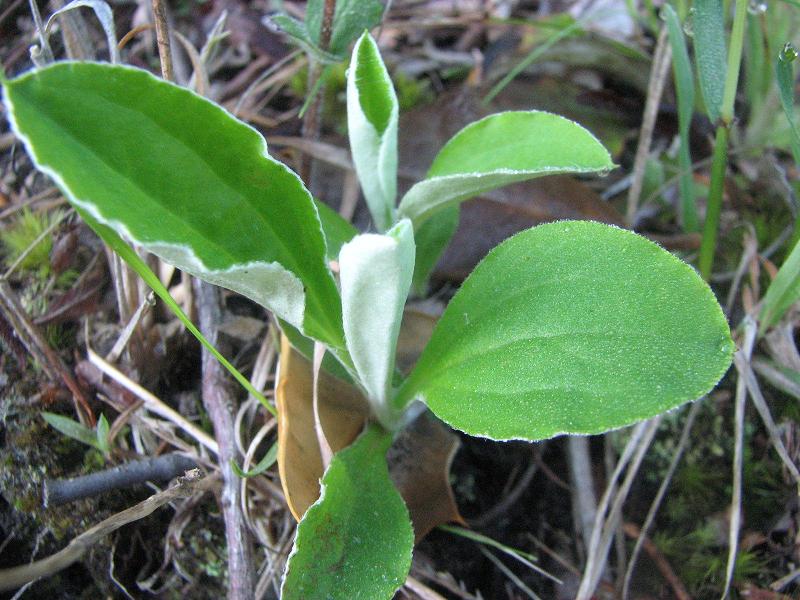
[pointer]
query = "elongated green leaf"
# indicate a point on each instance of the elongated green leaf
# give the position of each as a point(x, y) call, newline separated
point(372, 111)
point(784, 75)
point(501, 149)
point(356, 540)
point(684, 84)
point(181, 177)
point(265, 463)
point(134, 261)
point(783, 291)
point(101, 434)
point(72, 429)
point(350, 19)
point(375, 273)
point(432, 239)
point(710, 55)
point(571, 327)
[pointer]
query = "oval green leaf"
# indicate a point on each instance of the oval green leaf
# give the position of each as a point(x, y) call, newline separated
point(356, 540)
point(182, 178)
point(501, 149)
point(571, 327)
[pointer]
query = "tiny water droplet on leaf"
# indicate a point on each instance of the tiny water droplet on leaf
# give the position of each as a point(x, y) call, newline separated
point(757, 7)
point(788, 53)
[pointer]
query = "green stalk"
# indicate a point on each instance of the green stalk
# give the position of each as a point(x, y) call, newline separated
point(718, 168)
point(720, 160)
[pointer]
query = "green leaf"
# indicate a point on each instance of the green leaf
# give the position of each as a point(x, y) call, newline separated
point(337, 231)
point(350, 19)
point(300, 34)
point(783, 291)
point(375, 273)
point(71, 429)
point(102, 435)
point(571, 327)
point(181, 177)
point(684, 84)
point(501, 149)
point(265, 463)
point(372, 111)
point(356, 540)
point(784, 75)
point(710, 55)
point(432, 238)
point(116, 243)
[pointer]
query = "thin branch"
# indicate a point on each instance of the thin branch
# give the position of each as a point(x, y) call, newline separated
point(655, 88)
point(162, 37)
point(221, 410)
point(158, 468)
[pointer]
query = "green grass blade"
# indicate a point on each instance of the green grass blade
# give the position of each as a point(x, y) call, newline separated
point(110, 237)
point(684, 84)
point(783, 291)
point(784, 76)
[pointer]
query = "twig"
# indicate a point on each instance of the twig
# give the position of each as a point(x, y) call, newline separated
point(18, 576)
point(509, 573)
point(221, 411)
point(34, 342)
point(152, 403)
point(662, 490)
point(162, 38)
point(660, 561)
point(127, 332)
point(607, 518)
point(159, 468)
point(311, 120)
point(584, 500)
point(746, 351)
point(658, 77)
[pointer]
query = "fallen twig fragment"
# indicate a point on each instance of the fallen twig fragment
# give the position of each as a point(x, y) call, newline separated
point(160, 468)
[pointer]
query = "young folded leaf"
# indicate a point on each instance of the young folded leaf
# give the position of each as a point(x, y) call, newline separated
point(356, 540)
point(184, 179)
point(375, 273)
point(501, 149)
point(571, 327)
point(372, 111)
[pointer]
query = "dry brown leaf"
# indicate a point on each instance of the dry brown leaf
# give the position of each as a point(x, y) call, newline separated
point(419, 465)
point(343, 412)
point(419, 460)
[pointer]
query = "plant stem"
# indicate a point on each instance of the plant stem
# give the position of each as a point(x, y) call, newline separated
point(714, 207)
point(312, 118)
point(720, 161)
point(162, 37)
point(221, 410)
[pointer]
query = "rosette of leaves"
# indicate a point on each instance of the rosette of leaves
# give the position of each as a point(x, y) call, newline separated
point(566, 328)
